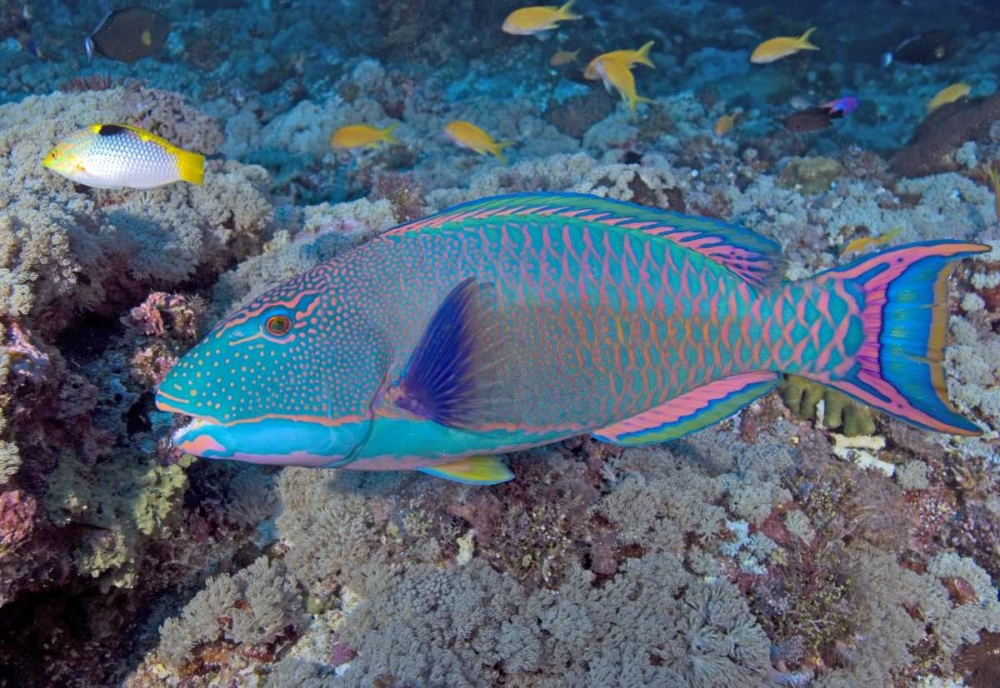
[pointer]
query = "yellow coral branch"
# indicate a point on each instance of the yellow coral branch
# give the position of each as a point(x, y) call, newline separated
point(993, 175)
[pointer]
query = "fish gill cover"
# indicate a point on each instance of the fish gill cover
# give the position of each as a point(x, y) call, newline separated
point(806, 540)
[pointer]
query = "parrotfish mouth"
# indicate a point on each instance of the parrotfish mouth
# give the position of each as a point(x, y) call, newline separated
point(273, 441)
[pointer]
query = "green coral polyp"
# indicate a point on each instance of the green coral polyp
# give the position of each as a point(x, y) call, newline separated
point(802, 397)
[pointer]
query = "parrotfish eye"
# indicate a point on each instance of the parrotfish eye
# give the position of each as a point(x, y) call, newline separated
point(278, 325)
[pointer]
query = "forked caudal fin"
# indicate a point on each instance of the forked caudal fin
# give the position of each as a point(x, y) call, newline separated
point(902, 294)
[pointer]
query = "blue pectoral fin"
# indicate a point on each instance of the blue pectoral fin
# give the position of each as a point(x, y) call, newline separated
point(472, 470)
point(453, 372)
point(689, 412)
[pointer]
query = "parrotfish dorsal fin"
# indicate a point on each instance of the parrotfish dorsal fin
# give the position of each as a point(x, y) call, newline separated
point(452, 373)
point(472, 470)
point(748, 254)
point(695, 410)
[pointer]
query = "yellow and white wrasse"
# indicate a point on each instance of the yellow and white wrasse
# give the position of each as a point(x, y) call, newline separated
point(116, 156)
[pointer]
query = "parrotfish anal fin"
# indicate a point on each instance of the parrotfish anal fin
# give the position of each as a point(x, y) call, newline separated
point(750, 255)
point(692, 411)
point(472, 470)
point(452, 374)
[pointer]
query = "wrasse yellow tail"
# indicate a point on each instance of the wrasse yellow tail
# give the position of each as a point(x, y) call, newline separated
point(190, 166)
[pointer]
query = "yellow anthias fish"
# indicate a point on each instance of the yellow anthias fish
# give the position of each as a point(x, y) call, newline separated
point(358, 135)
point(116, 156)
point(616, 75)
point(564, 57)
point(468, 135)
point(539, 19)
point(725, 124)
point(629, 58)
point(948, 95)
point(859, 245)
point(777, 48)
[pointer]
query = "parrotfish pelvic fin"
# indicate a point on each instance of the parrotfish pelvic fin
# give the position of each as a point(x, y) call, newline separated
point(472, 470)
point(692, 411)
point(452, 372)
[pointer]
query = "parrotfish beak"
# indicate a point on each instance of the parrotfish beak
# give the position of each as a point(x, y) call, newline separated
point(201, 438)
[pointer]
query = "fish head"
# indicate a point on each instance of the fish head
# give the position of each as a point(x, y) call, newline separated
point(66, 158)
point(289, 379)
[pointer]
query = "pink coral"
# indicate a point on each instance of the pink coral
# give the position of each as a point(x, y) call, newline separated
point(27, 361)
point(17, 517)
point(182, 313)
point(340, 651)
point(151, 364)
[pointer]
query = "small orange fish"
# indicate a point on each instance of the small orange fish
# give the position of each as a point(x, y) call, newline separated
point(468, 135)
point(948, 95)
point(783, 46)
point(564, 57)
point(538, 19)
point(725, 124)
point(629, 57)
point(863, 243)
point(358, 135)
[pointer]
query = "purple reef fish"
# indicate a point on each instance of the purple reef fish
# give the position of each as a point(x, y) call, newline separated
point(841, 106)
point(516, 321)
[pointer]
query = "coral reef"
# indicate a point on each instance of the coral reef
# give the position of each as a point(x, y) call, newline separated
point(806, 541)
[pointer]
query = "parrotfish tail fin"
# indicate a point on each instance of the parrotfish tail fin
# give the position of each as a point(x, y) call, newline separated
point(497, 150)
point(191, 166)
point(903, 297)
point(642, 55)
point(387, 134)
point(804, 43)
point(566, 13)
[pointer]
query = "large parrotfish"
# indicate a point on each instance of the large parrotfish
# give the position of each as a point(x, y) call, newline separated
point(516, 321)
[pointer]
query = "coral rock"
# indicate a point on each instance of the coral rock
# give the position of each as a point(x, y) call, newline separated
point(935, 142)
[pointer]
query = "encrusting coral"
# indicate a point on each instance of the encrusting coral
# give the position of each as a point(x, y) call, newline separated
point(942, 133)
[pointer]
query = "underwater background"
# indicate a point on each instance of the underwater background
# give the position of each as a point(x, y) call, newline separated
point(808, 541)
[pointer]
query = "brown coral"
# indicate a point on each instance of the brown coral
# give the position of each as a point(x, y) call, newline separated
point(933, 145)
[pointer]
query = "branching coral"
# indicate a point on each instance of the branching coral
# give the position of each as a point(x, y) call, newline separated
point(653, 624)
point(10, 461)
point(125, 505)
point(255, 607)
